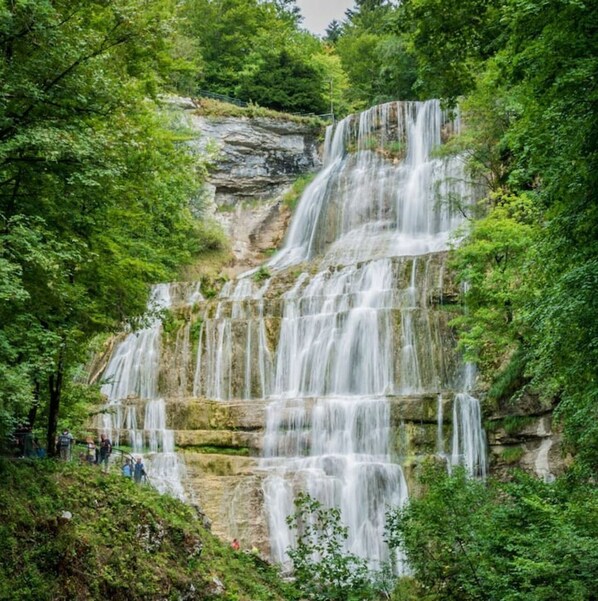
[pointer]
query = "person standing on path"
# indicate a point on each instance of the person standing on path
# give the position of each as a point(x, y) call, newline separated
point(65, 443)
point(127, 469)
point(139, 471)
point(105, 451)
point(90, 455)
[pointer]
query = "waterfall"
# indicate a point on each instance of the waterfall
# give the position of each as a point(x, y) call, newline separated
point(339, 333)
point(365, 205)
point(134, 366)
point(336, 334)
point(469, 439)
point(239, 316)
point(132, 373)
point(358, 331)
point(336, 449)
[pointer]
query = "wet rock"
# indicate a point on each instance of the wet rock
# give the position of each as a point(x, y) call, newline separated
point(256, 158)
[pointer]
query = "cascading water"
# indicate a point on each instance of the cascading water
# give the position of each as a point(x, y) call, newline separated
point(366, 218)
point(366, 204)
point(132, 372)
point(239, 316)
point(469, 439)
point(356, 336)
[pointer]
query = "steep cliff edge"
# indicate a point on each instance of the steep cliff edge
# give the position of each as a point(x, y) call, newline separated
point(254, 161)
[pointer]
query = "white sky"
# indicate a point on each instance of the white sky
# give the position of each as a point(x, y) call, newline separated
point(318, 13)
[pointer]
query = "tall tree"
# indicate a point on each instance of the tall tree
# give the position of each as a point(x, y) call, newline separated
point(375, 55)
point(94, 189)
point(256, 51)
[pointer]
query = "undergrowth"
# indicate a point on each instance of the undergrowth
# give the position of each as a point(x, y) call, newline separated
point(123, 542)
point(215, 108)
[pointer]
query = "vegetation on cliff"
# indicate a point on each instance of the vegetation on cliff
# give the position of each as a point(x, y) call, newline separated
point(72, 532)
point(523, 540)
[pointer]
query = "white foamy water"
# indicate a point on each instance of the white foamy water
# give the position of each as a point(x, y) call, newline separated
point(363, 205)
point(359, 330)
point(132, 373)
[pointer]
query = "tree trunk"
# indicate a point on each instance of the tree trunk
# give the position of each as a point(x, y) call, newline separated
point(55, 385)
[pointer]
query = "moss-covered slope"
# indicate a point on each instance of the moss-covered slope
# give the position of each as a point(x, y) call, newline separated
point(121, 541)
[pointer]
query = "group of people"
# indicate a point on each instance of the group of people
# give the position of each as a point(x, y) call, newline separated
point(100, 455)
point(28, 446)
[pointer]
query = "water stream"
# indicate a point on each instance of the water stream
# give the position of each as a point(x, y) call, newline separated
point(347, 328)
point(359, 330)
point(132, 375)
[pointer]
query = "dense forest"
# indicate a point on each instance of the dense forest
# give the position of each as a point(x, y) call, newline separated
point(99, 199)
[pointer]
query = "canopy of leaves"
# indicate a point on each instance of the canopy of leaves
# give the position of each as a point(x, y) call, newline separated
point(94, 183)
point(255, 51)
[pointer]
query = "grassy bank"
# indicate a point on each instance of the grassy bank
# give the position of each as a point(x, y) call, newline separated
point(121, 541)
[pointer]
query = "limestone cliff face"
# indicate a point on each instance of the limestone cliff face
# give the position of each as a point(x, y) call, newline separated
point(527, 439)
point(218, 351)
point(256, 158)
point(254, 161)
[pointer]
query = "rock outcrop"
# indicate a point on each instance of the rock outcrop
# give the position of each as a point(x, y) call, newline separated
point(256, 159)
point(253, 163)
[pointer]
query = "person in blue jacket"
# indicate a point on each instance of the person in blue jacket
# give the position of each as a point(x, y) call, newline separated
point(139, 471)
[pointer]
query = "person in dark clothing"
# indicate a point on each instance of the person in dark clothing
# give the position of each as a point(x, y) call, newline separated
point(105, 451)
point(65, 444)
point(29, 449)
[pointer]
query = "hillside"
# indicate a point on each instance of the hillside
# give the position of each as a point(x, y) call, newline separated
point(122, 542)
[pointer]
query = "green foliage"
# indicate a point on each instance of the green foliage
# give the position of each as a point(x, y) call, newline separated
point(531, 135)
point(263, 273)
point(291, 198)
point(526, 540)
point(123, 542)
point(95, 182)
point(512, 455)
point(494, 267)
point(255, 51)
point(323, 569)
point(509, 381)
point(210, 286)
point(216, 108)
point(195, 333)
point(376, 57)
point(449, 40)
point(282, 81)
point(515, 423)
point(171, 323)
